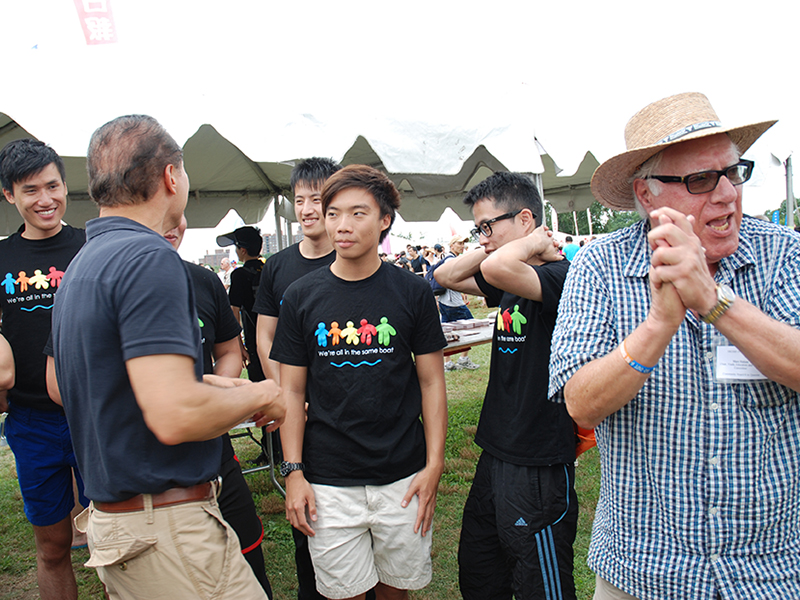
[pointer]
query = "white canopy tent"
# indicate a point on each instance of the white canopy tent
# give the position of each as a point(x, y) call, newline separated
point(432, 166)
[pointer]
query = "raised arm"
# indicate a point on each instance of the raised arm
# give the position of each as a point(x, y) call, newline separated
point(509, 267)
point(430, 371)
point(177, 408)
point(458, 273)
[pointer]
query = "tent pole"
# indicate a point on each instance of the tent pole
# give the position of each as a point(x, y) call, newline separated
point(589, 219)
point(575, 222)
point(278, 232)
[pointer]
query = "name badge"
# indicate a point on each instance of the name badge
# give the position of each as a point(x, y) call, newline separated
point(731, 366)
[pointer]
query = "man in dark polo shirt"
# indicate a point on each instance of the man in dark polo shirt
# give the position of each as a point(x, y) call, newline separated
point(129, 365)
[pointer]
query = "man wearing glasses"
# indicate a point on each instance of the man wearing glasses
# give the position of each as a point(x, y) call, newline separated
point(520, 518)
point(677, 338)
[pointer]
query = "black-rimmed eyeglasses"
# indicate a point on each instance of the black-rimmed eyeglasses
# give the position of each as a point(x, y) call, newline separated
point(485, 228)
point(706, 181)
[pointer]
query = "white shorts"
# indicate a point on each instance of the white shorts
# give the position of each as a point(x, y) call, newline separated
point(364, 536)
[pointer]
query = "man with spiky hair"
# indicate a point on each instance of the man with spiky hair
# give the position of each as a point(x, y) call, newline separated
point(362, 471)
point(280, 271)
point(129, 365)
point(32, 261)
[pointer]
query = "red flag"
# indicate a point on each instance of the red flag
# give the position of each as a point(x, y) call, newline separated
point(97, 21)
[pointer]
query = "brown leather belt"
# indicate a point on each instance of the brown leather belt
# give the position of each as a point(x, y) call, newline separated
point(177, 495)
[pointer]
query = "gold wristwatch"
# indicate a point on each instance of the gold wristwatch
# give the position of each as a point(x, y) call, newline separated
point(725, 298)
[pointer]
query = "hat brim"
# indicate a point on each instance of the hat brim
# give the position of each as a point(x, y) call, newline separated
point(226, 239)
point(611, 184)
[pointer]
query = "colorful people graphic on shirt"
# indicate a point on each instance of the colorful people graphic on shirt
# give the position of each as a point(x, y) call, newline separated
point(385, 332)
point(350, 333)
point(322, 335)
point(9, 282)
point(23, 281)
point(39, 280)
point(335, 333)
point(366, 331)
point(518, 320)
point(55, 276)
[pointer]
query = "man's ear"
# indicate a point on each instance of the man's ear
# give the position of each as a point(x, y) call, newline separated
point(9, 196)
point(642, 191)
point(527, 219)
point(170, 179)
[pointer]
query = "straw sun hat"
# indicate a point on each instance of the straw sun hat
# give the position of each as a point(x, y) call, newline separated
point(658, 126)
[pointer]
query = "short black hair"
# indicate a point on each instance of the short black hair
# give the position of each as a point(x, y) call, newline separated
point(23, 158)
point(509, 192)
point(314, 172)
point(366, 178)
point(569, 238)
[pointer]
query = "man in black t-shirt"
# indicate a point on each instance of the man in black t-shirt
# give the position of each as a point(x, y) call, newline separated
point(32, 262)
point(222, 356)
point(520, 518)
point(280, 271)
point(362, 471)
point(242, 293)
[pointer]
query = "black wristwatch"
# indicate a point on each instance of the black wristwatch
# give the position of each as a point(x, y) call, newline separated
point(287, 467)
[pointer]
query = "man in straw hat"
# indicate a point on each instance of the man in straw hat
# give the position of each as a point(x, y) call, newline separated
point(677, 338)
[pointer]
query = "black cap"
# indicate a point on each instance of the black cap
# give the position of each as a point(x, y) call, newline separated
point(247, 237)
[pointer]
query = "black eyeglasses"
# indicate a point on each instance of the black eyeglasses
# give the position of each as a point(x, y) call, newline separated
point(706, 181)
point(485, 228)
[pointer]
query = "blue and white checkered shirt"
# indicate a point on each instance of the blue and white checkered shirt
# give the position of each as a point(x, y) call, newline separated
point(700, 488)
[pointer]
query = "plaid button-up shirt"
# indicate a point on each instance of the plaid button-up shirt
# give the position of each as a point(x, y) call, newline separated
point(700, 488)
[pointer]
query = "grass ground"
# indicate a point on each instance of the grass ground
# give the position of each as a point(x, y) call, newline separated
point(465, 394)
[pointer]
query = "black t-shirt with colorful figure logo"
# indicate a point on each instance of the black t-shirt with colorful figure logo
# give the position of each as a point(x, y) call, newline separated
point(30, 274)
point(357, 339)
point(518, 423)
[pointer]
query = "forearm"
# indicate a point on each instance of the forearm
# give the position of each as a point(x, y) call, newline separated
point(293, 428)
point(265, 333)
point(205, 412)
point(603, 386)
point(430, 369)
point(228, 359)
point(177, 408)
point(458, 273)
point(773, 347)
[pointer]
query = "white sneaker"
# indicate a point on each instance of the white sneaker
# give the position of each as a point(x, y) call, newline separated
point(450, 366)
point(465, 362)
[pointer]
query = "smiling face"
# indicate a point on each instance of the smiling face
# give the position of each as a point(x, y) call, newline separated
point(354, 224)
point(308, 210)
point(718, 213)
point(41, 200)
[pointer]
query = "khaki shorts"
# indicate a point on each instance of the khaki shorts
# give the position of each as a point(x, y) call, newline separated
point(186, 551)
point(364, 536)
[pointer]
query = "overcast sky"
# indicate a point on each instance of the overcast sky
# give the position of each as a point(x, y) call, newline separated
point(572, 73)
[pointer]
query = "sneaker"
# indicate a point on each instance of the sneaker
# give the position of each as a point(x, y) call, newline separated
point(465, 362)
point(450, 366)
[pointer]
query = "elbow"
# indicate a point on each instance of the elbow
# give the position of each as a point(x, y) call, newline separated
point(441, 277)
point(170, 431)
point(6, 380)
point(580, 413)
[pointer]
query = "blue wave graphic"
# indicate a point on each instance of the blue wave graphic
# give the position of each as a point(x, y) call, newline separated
point(363, 362)
point(37, 306)
point(508, 350)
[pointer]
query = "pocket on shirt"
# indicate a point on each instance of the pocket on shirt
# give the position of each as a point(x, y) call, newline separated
point(763, 394)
